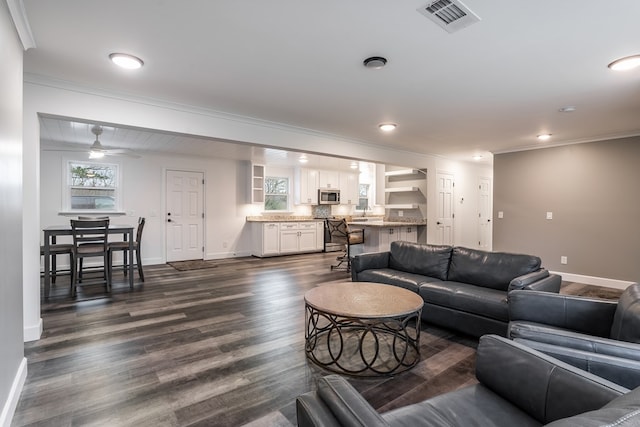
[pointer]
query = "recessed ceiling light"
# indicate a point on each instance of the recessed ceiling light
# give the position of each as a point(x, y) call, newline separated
point(477, 157)
point(626, 63)
point(544, 137)
point(375, 62)
point(124, 60)
point(387, 127)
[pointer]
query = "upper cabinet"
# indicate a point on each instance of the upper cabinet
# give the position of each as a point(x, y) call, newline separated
point(349, 194)
point(306, 184)
point(257, 183)
point(329, 179)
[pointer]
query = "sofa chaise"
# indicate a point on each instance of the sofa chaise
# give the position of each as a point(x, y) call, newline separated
point(463, 289)
point(518, 386)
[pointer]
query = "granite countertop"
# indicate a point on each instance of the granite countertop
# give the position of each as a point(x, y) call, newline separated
point(387, 223)
point(369, 221)
point(282, 218)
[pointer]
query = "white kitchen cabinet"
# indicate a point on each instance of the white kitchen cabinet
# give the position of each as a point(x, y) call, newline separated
point(257, 183)
point(349, 194)
point(266, 239)
point(298, 237)
point(378, 239)
point(329, 179)
point(306, 186)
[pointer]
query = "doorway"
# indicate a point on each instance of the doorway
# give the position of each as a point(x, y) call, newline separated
point(184, 218)
point(484, 214)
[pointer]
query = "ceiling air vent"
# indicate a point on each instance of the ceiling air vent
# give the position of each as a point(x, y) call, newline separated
point(452, 15)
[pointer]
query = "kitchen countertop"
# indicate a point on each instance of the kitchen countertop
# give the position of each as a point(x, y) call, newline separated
point(282, 218)
point(386, 223)
point(359, 221)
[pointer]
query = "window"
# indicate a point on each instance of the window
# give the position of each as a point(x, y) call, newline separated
point(276, 193)
point(363, 197)
point(92, 187)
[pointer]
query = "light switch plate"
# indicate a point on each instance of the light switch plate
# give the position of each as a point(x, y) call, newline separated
point(500, 214)
point(549, 215)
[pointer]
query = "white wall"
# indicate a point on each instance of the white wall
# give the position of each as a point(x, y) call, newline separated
point(13, 366)
point(143, 186)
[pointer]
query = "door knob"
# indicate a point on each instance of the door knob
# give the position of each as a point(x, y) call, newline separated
point(169, 220)
point(438, 223)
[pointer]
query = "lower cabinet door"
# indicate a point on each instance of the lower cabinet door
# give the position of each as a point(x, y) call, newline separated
point(307, 240)
point(288, 241)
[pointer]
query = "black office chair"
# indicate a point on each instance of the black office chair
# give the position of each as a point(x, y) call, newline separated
point(124, 247)
point(339, 232)
point(90, 239)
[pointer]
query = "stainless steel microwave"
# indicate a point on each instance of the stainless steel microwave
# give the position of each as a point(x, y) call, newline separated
point(328, 196)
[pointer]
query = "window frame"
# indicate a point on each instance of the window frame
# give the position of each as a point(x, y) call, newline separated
point(67, 187)
point(287, 194)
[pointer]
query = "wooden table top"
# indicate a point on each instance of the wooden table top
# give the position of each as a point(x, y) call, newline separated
point(363, 300)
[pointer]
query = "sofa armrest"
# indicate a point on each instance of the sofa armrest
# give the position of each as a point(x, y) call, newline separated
point(336, 403)
point(539, 280)
point(580, 314)
point(543, 387)
point(368, 261)
point(619, 370)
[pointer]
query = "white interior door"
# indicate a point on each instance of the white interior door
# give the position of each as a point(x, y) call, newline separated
point(484, 214)
point(444, 221)
point(185, 215)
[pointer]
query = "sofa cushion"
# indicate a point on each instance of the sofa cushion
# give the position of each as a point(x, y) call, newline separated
point(428, 260)
point(489, 269)
point(390, 276)
point(626, 321)
point(471, 406)
point(467, 298)
point(623, 411)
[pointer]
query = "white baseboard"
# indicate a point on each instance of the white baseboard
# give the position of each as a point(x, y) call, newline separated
point(11, 404)
point(33, 333)
point(223, 255)
point(590, 280)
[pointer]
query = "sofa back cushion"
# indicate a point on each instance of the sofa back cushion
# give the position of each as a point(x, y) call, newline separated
point(489, 269)
point(428, 260)
point(626, 321)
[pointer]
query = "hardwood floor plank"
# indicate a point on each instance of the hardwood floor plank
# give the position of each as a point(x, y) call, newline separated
point(215, 347)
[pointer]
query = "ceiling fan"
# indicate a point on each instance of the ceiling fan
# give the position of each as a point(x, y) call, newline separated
point(98, 151)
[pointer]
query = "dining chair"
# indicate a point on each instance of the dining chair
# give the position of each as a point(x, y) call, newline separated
point(340, 232)
point(124, 247)
point(54, 251)
point(90, 239)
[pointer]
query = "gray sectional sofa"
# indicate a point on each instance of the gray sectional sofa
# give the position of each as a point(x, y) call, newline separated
point(463, 289)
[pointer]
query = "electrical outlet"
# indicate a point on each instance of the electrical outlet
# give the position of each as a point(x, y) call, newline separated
point(563, 259)
point(400, 213)
point(225, 244)
point(549, 215)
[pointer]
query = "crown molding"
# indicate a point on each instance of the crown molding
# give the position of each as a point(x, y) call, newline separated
point(21, 22)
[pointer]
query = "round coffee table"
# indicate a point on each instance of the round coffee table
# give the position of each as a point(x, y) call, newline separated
point(363, 329)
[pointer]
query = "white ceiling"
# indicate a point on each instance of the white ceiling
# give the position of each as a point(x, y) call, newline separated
point(490, 87)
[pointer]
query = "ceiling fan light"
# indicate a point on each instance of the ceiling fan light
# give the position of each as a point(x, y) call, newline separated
point(96, 154)
point(124, 60)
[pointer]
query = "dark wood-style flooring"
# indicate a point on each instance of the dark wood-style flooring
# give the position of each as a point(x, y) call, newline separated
point(221, 346)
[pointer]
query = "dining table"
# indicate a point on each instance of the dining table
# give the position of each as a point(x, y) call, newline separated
point(51, 234)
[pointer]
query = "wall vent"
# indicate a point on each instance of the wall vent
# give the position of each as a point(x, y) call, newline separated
point(452, 15)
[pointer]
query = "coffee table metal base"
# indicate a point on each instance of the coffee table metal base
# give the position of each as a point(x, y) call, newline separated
point(362, 346)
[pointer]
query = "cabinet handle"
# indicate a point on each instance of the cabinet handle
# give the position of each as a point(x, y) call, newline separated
point(391, 231)
point(409, 230)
